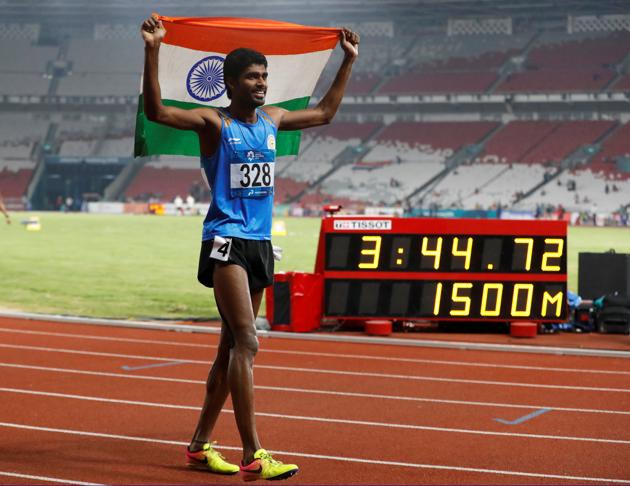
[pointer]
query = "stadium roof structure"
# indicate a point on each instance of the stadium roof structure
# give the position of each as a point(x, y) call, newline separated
point(421, 12)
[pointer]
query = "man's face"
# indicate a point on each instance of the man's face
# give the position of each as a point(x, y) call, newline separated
point(251, 85)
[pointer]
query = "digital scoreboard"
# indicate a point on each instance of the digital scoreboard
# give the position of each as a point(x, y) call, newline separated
point(443, 269)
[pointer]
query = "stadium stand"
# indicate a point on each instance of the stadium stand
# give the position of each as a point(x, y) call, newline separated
point(589, 49)
point(550, 80)
point(121, 146)
point(19, 133)
point(286, 188)
point(24, 57)
point(514, 140)
point(582, 188)
point(404, 156)
point(561, 63)
point(319, 152)
point(565, 138)
point(454, 82)
point(462, 184)
point(438, 53)
point(23, 68)
point(100, 84)
point(541, 142)
point(27, 84)
point(162, 183)
point(102, 68)
point(453, 65)
point(623, 84)
point(362, 84)
point(80, 136)
point(615, 146)
point(105, 56)
point(13, 183)
point(106, 136)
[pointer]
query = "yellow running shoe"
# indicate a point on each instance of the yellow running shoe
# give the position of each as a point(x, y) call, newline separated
point(266, 467)
point(208, 459)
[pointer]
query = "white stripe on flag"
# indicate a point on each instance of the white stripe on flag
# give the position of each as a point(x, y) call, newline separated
point(290, 76)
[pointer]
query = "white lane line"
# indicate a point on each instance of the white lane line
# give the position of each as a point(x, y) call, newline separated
point(47, 479)
point(328, 372)
point(312, 353)
point(315, 391)
point(366, 423)
point(152, 440)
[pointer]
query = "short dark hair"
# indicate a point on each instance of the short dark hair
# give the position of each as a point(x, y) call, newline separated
point(237, 61)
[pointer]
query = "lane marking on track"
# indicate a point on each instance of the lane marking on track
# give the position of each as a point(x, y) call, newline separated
point(152, 440)
point(524, 418)
point(45, 478)
point(323, 337)
point(313, 391)
point(313, 353)
point(154, 365)
point(328, 372)
point(317, 419)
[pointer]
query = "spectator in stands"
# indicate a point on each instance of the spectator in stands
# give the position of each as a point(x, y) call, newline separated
point(190, 204)
point(560, 210)
point(236, 254)
point(3, 210)
point(179, 205)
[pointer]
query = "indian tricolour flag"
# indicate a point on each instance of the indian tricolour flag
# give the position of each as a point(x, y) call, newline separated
point(191, 73)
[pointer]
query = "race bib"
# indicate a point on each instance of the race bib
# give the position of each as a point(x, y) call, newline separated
point(252, 173)
point(221, 248)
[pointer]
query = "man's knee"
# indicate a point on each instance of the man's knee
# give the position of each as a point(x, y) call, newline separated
point(246, 342)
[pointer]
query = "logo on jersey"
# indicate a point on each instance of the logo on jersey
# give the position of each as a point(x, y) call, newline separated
point(271, 142)
point(250, 155)
point(234, 140)
point(205, 79)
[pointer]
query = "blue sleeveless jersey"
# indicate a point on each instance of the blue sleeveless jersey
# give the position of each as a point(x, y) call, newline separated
point(241, 177)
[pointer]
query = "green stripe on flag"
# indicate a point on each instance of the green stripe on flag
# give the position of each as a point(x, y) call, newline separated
point(155, 139)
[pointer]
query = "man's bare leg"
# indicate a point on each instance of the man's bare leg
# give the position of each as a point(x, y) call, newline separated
point(216, 393)
point(217, 388)
point(231, 291)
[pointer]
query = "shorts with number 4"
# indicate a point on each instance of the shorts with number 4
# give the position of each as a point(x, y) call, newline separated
point(255, 256)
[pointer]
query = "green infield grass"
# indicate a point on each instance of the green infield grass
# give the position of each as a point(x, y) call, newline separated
point(130, 266)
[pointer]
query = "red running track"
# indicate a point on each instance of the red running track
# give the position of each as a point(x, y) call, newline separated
point(95, 404)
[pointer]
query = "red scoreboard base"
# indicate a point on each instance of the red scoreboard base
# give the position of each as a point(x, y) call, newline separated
point(523, 329)
point(378, 328)
point(294, 302)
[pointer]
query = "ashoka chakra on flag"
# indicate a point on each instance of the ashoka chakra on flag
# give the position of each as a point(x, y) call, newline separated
point(205, 79)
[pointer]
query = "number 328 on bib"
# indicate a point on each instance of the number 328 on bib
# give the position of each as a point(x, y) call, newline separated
point(252, 177)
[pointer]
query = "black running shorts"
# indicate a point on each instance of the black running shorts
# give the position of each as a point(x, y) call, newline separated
point(255, 256)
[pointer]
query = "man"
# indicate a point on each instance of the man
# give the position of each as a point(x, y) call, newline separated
point(3, 210)
point(237, 154)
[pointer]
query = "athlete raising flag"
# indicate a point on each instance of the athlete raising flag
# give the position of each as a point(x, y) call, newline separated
point(237, 147)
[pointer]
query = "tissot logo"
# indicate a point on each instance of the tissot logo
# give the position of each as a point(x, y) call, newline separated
point(363, 224)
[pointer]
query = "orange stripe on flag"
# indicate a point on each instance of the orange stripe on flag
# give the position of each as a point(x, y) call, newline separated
point(224, 34)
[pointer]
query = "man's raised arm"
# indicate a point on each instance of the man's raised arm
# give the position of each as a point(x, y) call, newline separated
point(196, 119)
point(325, 110)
